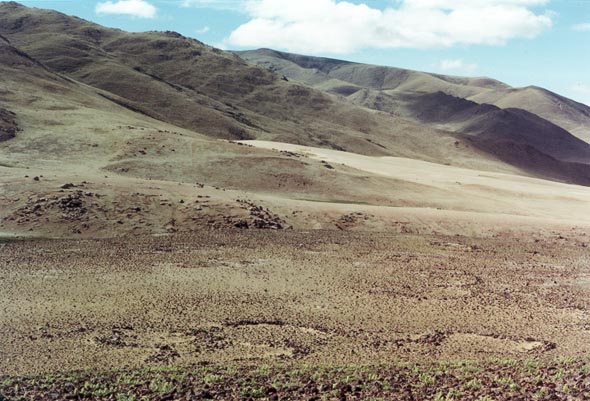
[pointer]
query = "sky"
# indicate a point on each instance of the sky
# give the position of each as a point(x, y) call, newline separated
point(520, 42)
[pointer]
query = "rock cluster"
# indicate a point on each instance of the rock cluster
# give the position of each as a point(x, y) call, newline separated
point(8, 125)
point(260, 218)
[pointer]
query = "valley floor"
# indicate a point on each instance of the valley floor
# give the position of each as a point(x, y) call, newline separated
point(166, 306)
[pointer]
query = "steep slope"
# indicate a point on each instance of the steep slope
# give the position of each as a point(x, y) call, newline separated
point(515, 136)
point(8, 125)
point(184, 82)
point(568, 114)
point(181, 81)
point(482, 121)
point(346, 78)
point(86, 130)
point(82, 164)
point(330, 73)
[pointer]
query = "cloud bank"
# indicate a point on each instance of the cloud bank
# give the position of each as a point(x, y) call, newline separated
point(585, 27)
point(133, 8)
point(340, 27)
point(457, 65)
point(234, 5)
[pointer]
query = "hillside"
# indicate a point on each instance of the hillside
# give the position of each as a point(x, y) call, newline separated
point(186, 83)
point(82, 164)
point(536, 143)
point(110, 133)
point(348, 78)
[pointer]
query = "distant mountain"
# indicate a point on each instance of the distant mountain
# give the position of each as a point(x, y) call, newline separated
point(347, 78)
point(184, 82)
point(531, 121)
point(297, 99)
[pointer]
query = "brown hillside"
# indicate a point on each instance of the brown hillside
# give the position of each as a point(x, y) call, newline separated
point(515, 136)
point(186, 83)
point(346, 78)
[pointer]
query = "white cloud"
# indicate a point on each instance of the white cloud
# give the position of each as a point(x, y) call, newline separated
point(235, 5)
point(581, 88)
point(202, 30)
point(457, 65)
point(335, 26)
point(585, 27)
point(134, 8)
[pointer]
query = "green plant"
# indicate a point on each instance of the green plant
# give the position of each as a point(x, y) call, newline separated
point(96, 389)
point(505, 381)
point(253, 392)
point(473, 384)
point(532, 366)
point(161, 386)
point(125, 397)
point(262, 370)
point(7, 382)
point(441, 397)
point(427, 379)
point(211, 378)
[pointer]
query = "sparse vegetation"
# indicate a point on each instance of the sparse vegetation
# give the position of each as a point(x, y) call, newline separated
point(351, 382)
point(163, 258)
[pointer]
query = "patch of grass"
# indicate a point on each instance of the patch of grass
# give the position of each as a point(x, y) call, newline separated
point(97, 389)
point(429, 382)
point(130, 380)
point(253, 392)
point(262, 370)
point(211, 378)
point(473, 384)
point(426, 379)
point(559, 374)
point(566, 361)
point(126, 397)
point(161, 386)
point(444, 397)
point(505, 381)
point(7, 382)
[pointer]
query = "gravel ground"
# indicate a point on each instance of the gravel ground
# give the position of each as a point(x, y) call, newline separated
point(293, 300)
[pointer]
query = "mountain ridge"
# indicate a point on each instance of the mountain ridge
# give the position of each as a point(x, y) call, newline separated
point(566, 113)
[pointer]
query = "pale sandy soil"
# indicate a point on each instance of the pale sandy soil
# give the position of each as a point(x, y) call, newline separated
point(466, 189)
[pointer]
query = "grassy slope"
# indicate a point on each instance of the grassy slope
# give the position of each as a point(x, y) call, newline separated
point(515, 136)
point(345, 77)
point(73, 133)
point(184, 82)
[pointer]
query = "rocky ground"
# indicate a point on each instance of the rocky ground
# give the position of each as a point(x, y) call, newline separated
point(357, 315)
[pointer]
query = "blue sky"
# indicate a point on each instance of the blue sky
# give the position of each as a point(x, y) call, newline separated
point(520, 42)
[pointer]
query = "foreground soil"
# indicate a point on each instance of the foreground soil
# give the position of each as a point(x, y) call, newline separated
point(391, 307)
point(494, 380)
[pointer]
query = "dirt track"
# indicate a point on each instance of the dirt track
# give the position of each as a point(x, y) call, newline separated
point(317, 297)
